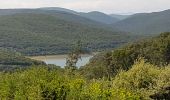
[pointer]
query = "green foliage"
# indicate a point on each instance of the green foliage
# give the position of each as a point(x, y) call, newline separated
point(155, 50)
point(144, 79)
point(41, 83)
point(74, 56)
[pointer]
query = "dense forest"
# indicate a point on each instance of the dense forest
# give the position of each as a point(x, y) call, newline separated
point(44, 33)
point(145, 23)
point(143, 81)
point(51, 31)
point(155, 50)
point(138, 71)
point(48, 31)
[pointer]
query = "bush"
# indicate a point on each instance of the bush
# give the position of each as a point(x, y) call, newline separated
point(42, 83)
point(143, 78)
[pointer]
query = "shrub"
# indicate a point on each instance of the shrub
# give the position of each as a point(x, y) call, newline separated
point(143, 78)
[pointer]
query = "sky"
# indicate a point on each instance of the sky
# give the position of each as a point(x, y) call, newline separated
point(106, 6)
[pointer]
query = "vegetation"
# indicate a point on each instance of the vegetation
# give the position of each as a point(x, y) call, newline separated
point(9, 61)
point(121, 75)
point(140, 82)
point(138, 71)
point(156, 51)
point(145, 79)
point(146, 23)
point(40, 33)
point(74, 56)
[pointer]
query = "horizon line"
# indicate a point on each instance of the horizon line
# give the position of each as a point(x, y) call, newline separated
point(127, 13)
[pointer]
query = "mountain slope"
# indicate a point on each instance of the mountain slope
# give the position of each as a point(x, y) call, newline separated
point(146, 23)
point(155, 50)
point(33, 34)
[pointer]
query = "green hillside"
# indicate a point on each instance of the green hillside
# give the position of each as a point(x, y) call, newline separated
point(156, 51)
point(146, 23)
point(10, 61)
point(44, 33)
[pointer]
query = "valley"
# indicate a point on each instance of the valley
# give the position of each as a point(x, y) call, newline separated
point(53, 53)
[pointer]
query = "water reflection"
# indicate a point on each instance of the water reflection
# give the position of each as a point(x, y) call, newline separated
point(61, 60)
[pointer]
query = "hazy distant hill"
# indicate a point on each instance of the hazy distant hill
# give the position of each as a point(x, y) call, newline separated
point(13, 11)
point(145, 23)
point(94, 15)
point(49, 33)
point(59, 9)
point(100, 17)
point(60, 14)
point(120, 17)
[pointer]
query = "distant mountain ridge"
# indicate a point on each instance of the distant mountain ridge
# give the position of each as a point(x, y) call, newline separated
point(59, 9)
point(120, 17)
point(94, 15)
point(146, 23)
point(100, 17)
point(60, 14)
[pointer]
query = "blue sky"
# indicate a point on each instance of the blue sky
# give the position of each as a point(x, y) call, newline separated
point(107, 6)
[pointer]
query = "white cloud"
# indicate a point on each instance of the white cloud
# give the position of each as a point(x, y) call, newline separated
point(108, 6)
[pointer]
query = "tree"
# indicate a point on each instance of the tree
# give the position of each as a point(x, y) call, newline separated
point(74, 56)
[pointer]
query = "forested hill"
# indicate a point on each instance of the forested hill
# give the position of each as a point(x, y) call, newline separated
point(93, 15)
point(33, 34)
point(146, 23)
point(156, 51)
point(10, 61)
point(57, 13)
point(94, 18)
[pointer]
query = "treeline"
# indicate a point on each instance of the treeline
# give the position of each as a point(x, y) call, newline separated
point(155, 50)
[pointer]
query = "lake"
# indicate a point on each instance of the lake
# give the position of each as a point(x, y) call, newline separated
point(60, 60)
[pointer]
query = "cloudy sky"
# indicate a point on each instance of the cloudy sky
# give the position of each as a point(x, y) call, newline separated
point(107, 6)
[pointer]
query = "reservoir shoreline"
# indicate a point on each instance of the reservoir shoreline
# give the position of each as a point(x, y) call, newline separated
point(60, 60)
